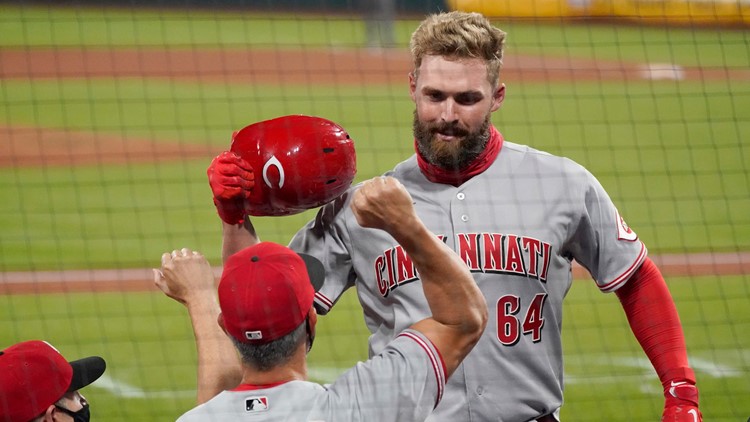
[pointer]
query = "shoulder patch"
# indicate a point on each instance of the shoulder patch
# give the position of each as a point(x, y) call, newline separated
point(624, 232)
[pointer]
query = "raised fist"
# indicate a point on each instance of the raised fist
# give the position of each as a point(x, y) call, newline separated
point(383, 203)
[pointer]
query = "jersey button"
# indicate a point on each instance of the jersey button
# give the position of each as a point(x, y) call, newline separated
point(464, 218)
point(461, 196)
point(480, 390)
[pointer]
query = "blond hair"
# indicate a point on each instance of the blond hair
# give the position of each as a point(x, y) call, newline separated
point(459, 35)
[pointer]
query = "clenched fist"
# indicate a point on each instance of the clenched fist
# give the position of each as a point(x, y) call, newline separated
point(184, 274)
point(383, 203)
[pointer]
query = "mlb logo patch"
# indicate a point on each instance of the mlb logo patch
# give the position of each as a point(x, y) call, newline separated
point(253, 335)
point(256, 404)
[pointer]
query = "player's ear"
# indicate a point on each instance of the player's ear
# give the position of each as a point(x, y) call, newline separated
point(49, 414)
point(220, 321)
point(310, 321)
point(412, 85)
point(312, 317)
point(497, 97)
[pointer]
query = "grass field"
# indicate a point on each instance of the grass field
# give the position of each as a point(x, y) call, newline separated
point(147, 342)
point(673, 155)
point(682, 186)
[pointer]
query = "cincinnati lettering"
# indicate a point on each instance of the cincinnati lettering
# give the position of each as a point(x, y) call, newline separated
point(482, 252)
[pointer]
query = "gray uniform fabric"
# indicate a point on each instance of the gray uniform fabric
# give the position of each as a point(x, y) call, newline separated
point(518, 226)
point(402, 383)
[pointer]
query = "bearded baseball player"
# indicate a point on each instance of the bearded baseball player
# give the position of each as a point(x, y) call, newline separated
point(516, 216)
point(266, 308)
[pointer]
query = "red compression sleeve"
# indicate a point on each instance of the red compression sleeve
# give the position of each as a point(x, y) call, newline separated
point(654, 320)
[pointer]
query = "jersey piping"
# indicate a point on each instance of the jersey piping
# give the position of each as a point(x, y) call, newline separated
point(622, 278)
point(323, 301)
point(437, 364)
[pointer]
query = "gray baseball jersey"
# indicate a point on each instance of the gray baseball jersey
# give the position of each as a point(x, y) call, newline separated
point(518, 226)
point(403, 383)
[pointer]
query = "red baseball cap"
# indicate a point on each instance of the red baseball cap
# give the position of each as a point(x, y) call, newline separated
point(266, 291)
point(34, 375)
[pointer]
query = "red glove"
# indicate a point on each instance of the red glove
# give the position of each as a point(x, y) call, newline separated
point(681, 404)
point(231, 179)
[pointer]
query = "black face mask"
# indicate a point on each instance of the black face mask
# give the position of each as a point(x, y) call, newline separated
point(82, 415)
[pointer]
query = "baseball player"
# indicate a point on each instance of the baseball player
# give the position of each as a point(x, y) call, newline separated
point(38, 384)
point(516, 216)
point(266, 300)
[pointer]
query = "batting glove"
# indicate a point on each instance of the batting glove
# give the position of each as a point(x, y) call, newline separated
point(231, 179)
point(681, 404)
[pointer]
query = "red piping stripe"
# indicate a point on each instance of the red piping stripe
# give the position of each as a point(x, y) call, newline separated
point(621, 279)
point(437, 365)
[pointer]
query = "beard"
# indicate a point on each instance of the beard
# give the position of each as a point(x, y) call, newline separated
point(455, 155)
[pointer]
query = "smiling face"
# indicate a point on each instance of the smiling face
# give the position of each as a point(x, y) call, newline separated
point(454, 101)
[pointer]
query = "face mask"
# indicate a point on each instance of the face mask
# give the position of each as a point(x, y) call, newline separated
point(82, 415)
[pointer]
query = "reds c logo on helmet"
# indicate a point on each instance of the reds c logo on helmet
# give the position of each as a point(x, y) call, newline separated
point(300, 162)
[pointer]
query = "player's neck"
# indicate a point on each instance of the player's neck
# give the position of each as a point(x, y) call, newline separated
point(456, 178)
point(293, 370)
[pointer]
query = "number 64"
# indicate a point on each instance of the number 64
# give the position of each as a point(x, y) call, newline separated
point(509, 327)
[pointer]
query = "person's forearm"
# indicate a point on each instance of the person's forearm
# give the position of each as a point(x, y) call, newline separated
point(218, 364)
point(236, 237)
point(459, 310)
point(453, 296)
point(655, 323)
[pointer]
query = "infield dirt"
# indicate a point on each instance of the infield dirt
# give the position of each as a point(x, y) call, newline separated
point(37, 146)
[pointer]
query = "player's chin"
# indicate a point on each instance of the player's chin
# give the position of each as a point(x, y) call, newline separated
point(448, 157)
point(447, 147)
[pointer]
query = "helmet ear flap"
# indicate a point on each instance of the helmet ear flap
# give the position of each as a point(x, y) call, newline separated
point(300, 162)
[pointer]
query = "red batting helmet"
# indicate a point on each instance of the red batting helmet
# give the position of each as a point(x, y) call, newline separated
point(300, 162)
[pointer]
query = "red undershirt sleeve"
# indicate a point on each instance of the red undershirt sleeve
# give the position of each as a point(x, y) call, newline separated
point(654, 320)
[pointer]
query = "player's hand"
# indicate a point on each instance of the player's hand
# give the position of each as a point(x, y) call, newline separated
point(383, 203)
point(681, 402)
point(185, 276)
point(231, 179)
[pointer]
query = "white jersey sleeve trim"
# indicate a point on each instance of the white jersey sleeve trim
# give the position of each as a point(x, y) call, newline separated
point(437, 362)
point(620, 280)
point(323, 301)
